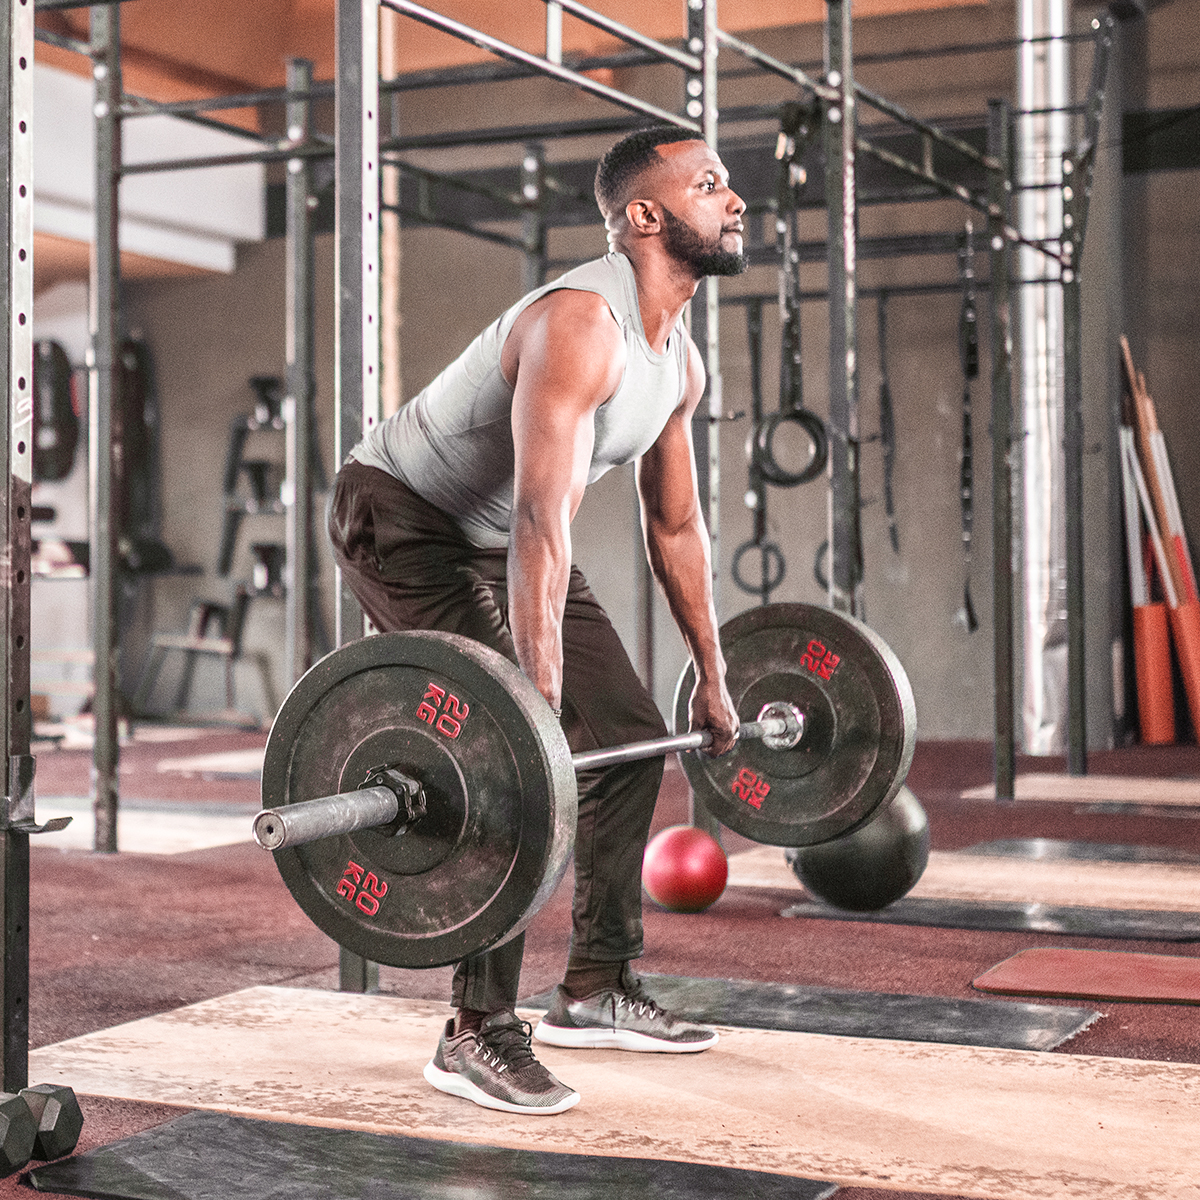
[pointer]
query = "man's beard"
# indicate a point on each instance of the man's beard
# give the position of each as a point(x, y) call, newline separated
point(685, 245)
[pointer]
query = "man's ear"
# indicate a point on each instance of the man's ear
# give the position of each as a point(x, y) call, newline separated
point(643, 217)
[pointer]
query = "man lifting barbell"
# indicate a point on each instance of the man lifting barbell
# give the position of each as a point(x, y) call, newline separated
point(455, 515)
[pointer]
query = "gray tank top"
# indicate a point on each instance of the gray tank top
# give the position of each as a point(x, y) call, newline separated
point(453, 445)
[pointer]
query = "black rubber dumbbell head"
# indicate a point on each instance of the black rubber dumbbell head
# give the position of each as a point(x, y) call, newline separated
point(58, 1117)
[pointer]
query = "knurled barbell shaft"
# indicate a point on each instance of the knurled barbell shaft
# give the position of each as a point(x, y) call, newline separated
point(367, 808)
point(699, 740)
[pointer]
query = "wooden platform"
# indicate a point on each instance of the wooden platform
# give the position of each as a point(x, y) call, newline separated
point(1157, 887)
point(1008, 1124)
point(1097, 789)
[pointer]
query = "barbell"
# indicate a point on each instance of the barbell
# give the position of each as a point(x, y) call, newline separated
point(377, 804)
point(420, 797)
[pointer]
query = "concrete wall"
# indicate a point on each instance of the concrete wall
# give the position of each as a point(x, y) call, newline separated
point(210, 335)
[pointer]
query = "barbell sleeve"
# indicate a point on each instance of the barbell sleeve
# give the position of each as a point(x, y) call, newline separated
point(326, 816)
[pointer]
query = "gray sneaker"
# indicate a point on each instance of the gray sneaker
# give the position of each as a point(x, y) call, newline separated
point(496, 1068)
point(627, 1019)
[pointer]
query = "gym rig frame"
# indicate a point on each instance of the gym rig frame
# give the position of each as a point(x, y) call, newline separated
point(358, 154)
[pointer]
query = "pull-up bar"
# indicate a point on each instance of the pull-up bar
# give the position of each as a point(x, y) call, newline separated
point(554, 70)
point(681, 58)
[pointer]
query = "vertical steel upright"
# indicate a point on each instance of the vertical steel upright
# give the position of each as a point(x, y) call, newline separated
point(301, 364)
point(999, 145)
point(1073, 472)
point(16, 266)
point(103, 392)
point(712, 303)
point(356, 251)
point(1043, 96)
point(356, 290)
point(391, 382)
point(533, 216)
point(1077, 170)
point(700, 103)
point(838, 129)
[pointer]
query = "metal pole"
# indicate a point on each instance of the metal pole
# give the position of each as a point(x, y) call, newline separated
point(533, 218)
point(16, 266)
point(712, 302)
point(1077, 171)
point(1000, 196)
point(554, 32)
point(391, 384)
point(1072, 190)
point(700, 104)
point(1043, 93)
point(356, 291)
point(838, 127)
point(105, 321)
point(298, 407)
point(356, 261)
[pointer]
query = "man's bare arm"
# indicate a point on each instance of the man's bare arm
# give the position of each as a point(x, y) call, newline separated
point(680, 556)
point(565, 355)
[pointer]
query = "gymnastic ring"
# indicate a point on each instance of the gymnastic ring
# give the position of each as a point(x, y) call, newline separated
point(776, 567)
point(819, 566)
point(764, 438)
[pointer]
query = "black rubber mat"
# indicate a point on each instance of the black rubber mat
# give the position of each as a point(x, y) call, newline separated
point(1006, 1025)
point(1132, 924)
point(1053, 849)
point(213, 1156)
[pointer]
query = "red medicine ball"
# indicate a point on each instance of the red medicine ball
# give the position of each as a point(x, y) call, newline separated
point(684, 869)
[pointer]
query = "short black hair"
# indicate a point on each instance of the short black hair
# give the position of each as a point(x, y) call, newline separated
point(629, 158)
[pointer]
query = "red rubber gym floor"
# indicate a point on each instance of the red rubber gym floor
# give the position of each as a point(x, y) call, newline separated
point(114, 938)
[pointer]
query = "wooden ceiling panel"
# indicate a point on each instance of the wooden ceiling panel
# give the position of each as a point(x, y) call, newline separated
point(56, 259)
point(210, 47)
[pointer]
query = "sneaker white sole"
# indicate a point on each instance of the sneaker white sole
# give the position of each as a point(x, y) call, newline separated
point(616, 1039)
point(460, 1085)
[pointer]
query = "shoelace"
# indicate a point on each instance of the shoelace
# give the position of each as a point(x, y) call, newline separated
point(638, 1002)
point(507, 1045)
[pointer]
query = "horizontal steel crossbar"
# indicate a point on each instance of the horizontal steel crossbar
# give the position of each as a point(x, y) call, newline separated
point(777, 66)
point(554, 70)
point(690, 62)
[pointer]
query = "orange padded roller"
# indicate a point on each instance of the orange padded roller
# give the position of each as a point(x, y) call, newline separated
point(1185, 627)
point(1152, 662)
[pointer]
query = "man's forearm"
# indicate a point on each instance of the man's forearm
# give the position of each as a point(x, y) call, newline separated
point(539, 569)
point(682, 563)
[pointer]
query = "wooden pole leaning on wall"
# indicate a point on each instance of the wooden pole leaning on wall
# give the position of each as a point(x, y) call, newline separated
point(1164, 520)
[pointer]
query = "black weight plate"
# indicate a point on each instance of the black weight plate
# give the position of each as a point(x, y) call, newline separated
point(860, 726)
point(499, 785)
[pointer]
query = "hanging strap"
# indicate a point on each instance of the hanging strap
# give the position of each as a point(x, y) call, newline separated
point(887, 427)
point(968, 350)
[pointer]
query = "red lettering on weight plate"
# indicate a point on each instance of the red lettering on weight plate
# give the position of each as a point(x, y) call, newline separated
point(454, 712)
point(750, 788)
point(364, 889)
point(428, 712)
point(819, 660)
